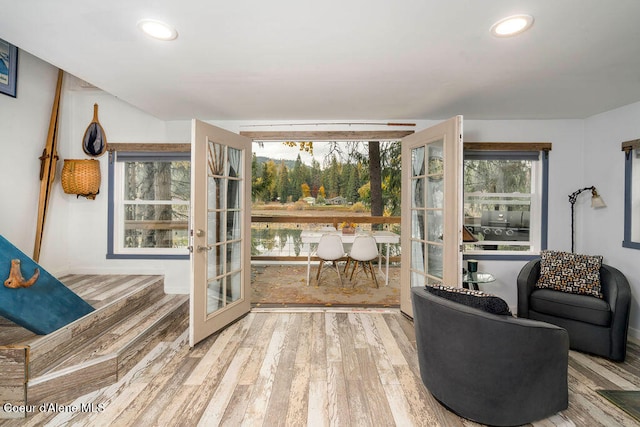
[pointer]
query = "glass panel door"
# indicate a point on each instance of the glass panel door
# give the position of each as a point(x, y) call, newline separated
point(220, 228)
point(431, 216)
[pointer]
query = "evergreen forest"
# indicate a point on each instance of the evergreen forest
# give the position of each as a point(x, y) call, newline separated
point(344, 177)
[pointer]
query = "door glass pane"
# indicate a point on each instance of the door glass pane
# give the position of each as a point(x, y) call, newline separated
point(215, 158)
point(216, 261)
point(435, 161)
point(417, 224)
point(234, 163)
point(215, 193)
point(418, 279)
point(434, 263)
point(435, 193)
point(417, 161)
point(234, 256)
point(233, 194)
point(417, 193)
point(435, 226)
point(233, 225)
point(215, 232)
point(417, 256)
point(215, 295)
point(234, 288)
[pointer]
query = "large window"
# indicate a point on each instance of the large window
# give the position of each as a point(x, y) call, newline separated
point(149, 205)
point(505, 202)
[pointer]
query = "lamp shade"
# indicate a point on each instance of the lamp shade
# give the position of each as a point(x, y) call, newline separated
point(597, 202)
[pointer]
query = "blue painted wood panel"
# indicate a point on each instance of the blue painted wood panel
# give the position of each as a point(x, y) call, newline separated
point(42, 308)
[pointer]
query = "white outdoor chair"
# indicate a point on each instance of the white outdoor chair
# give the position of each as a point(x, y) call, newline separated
point(330, 249)
point(363, 251)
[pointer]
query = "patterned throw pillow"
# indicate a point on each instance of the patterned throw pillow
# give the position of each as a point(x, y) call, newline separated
point(569, 272)
point(472, 298)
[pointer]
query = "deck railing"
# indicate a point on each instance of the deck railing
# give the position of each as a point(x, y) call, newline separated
point(277, 237)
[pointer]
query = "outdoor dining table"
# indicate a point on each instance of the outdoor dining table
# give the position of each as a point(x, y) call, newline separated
point(382, 237)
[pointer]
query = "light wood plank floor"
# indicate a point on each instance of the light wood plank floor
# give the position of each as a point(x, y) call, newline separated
point(311, 367)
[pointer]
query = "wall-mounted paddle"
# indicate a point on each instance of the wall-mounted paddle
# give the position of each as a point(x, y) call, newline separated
point(94, 142)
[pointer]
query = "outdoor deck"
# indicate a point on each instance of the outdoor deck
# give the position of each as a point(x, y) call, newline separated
point(284, 285)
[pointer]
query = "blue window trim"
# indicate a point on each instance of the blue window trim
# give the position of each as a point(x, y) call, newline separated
point(503, 257)
point(628, 174)
point(133, 156)
point(543, 156)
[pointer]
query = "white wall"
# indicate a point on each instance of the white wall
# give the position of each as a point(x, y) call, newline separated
point(87, 219)
point(24, 123)
point(75, 238)
point(602, 230)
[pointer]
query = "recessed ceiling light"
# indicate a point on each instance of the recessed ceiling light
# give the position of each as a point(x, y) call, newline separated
point(512, 25)
point(157, 29)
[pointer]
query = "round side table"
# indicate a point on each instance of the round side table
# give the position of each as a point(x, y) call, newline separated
point(471, 280)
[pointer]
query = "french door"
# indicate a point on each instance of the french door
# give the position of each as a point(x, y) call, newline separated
point(220, 229)
point(431, 208)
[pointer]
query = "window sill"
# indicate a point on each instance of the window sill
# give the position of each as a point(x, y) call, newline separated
point(631, 245)
point(501, 256)
point(148, 256)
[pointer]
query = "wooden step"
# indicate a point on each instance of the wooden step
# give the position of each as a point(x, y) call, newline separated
point(132, 315)
point(135, 292)
point(106, 358)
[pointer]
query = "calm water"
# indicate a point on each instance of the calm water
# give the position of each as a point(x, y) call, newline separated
point(285, 242)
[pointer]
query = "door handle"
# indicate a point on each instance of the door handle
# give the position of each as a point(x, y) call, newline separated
point(203, 248)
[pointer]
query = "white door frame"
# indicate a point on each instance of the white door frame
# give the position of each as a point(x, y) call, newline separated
point(448, 137)
point(214, 253)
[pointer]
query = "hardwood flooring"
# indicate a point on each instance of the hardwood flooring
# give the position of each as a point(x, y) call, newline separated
point(316, 367)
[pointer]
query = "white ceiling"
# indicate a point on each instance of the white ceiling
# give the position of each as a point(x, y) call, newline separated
point(342, 59)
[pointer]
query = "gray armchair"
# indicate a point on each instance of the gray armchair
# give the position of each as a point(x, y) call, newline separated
point(490, 368)
point(597, 326)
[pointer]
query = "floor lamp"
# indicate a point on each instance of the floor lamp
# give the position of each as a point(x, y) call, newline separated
point(596, 202)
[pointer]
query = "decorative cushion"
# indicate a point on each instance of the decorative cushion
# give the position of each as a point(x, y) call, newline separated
point(569, 272)
point(471, 298)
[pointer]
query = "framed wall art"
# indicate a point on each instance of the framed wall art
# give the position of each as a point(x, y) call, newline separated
point(8, 68)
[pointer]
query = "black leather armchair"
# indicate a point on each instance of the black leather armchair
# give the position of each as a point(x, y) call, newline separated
point(493, 369)
point(597, 326)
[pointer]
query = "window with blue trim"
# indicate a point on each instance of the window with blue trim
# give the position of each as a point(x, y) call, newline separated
point(505, 203)
point(149, 202)
point(631, 194)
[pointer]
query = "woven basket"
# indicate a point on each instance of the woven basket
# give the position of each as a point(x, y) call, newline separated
point(81, 177)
